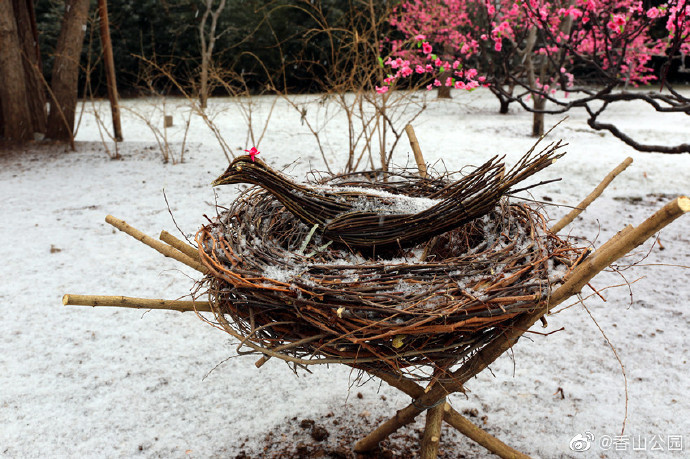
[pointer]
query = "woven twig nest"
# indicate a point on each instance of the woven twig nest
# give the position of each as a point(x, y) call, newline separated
point(282, 290)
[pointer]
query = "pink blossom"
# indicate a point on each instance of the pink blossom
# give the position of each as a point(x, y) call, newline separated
point(426, 48)
point(449, 82)
point(653, 13)
point(618, 19)
point(498, 46)
point(405, 72)
point(420, 37)
point(252, 153)
point(381, 89)
point(419, 69)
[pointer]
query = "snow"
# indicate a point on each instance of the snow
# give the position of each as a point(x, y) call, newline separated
point(93, 382)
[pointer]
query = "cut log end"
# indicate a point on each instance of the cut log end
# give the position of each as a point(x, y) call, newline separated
point(684, 203)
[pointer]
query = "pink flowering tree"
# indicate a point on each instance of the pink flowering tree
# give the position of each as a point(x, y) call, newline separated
point(459, 31)
point(548, 55)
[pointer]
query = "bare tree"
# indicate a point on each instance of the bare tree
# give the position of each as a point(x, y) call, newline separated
point(207, 35)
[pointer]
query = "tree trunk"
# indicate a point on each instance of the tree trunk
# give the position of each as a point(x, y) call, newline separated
point(443, 90)
point(65, 77)
point(109, 63)
point(208, 41)
point(504, 103)
point(203, 91)
point(538, 117)
point(31, 58)
point(16, 117)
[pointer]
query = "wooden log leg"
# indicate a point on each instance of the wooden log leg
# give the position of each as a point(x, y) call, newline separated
point(453, 418)
point(489, 353)
point(468, 429)
point(432, 431)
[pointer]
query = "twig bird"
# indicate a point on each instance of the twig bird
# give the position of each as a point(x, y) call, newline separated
point(365, 220)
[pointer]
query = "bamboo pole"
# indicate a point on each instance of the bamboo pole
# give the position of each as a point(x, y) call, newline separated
point(136, 303)
point(414, 143)
point(432, 431)
point(180, 245)
point(109, 64)
point(563, 222)
point(164, 249)
point(489, 353)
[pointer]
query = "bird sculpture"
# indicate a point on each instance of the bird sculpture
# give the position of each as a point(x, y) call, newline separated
point(370, 221)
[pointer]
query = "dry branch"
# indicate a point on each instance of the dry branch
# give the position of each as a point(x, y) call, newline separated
point(180, 245)
point(592, 196)
point(154, 244)
point(136, 303)
point(487, 355)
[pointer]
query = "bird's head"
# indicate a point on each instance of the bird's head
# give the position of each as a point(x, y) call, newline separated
point(242, 170)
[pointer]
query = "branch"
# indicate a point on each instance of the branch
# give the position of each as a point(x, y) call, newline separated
point(645, 148)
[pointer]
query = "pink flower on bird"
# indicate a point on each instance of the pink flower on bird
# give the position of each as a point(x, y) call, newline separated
point(252, 153)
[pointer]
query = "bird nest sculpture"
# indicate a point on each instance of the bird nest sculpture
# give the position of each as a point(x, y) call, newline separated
point(400, 276)
point(284, 288)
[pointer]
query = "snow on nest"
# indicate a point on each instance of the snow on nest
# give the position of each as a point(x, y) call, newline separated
point(86, 382)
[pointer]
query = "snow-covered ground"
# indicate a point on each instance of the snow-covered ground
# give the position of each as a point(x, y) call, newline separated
point(84, 382)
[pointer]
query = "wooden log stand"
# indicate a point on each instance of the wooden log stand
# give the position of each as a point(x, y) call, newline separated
point(432, 398)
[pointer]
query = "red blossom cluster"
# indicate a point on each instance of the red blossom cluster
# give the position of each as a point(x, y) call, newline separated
point(612, 38)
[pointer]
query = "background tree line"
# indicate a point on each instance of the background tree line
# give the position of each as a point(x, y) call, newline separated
point(253, 37)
